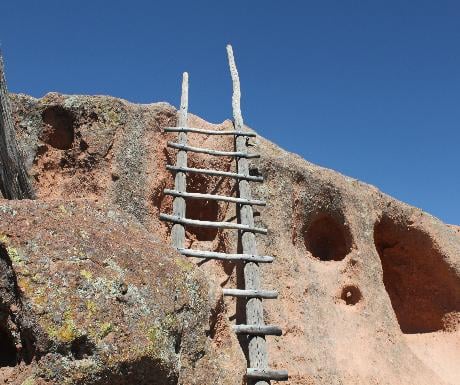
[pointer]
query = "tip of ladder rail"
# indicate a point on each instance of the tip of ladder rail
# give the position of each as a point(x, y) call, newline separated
point(263, 294)
point(267, 374)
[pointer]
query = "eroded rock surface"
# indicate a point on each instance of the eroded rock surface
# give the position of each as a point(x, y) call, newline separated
point(369, 286)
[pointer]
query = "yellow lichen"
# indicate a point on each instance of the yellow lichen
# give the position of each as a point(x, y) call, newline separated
point(155, 334)
point(63, 209)
point(92, 307)
point(24, 285)
point(86, 274)
point(67, 332)
point(39, 299)
point(184, 264)
point(105, 329)
point(14, 255)
point(4, 239)
point(113, 117)
point(29, 381)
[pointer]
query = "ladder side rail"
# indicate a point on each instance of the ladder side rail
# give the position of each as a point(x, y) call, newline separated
point(180, 181)
point(257, 349)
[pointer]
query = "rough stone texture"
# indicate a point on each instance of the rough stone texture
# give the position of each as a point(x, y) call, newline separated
point(88, 296)
point(369, 286)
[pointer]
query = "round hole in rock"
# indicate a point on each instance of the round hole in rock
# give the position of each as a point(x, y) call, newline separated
point(327, 239)
point(351, 295)
point(58, 130)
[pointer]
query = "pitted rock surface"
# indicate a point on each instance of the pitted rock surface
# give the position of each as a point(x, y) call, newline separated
point(369, 286)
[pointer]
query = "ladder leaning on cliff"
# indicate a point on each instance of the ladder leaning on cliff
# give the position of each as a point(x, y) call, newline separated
point(258, 371)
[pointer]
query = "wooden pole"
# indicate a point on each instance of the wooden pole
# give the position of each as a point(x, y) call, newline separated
point(212, 224)
point(266, 294)
point(257, 349)
point(207, 132)
point(225, 256)
point(213, 197)
point(14, 180)
point(180, 182)
point(211, 151)
point(215, 173)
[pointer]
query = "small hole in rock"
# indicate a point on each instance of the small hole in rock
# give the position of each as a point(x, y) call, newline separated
point(351, 295)
point(81, 348)
point(178, 343)
point(327, 239)
point(83, 145)
point(8, 355)
point(58, 130)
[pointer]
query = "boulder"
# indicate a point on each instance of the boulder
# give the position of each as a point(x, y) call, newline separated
point(88, 296)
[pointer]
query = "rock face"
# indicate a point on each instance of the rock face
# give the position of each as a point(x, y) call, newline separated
point(369, 286)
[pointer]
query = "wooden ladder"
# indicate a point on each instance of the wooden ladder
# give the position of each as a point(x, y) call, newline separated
point(255, 328)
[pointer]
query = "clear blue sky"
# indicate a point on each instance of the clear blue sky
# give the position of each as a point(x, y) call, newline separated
point(368, 88)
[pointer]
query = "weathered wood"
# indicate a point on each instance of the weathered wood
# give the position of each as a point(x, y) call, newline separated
point(219, 225)
point(267, 330)
point(180, 183)
point(238, 154)
point(265, 294)
point(267, 374)
point(14, 180)
point(215, 173)
point(213, 197)
point(225, 256)
point(208, 132)
point(257, 350)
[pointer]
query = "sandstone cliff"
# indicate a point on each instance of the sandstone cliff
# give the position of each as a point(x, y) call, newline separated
point(369, 286)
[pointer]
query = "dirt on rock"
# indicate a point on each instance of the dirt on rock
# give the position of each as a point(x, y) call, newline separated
point(369, 286)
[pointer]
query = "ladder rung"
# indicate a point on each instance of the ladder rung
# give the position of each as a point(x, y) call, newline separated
point(212, 152)
point(208, 132)
point(213, 197)
point(215, 173)
point(266, 294)
point(225, 256)
point(267, 374)
point(267, 330)
point(220, 225)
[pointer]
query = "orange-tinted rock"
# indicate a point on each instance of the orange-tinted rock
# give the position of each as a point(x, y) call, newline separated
point(369, 286)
